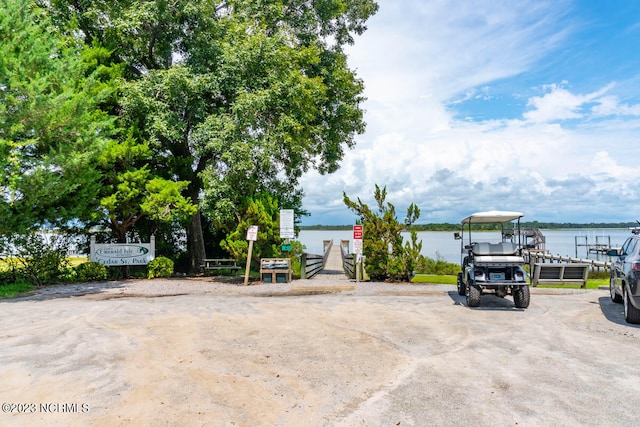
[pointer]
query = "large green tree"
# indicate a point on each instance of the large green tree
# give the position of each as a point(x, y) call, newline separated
point(51, 124)
point(65, 159)
point(238, 97)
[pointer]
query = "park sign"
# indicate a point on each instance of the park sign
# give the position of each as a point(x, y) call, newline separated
point(116, 254)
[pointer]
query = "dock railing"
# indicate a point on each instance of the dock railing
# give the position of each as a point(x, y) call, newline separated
point(312, 264)
point(348, 260)
point(533, 257)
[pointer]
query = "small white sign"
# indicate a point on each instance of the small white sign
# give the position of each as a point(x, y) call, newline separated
point(252, 233)
point(357, 247)
point(287, 230)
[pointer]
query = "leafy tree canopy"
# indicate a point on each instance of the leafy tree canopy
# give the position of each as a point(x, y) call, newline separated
point(238, 97)
point(51, 123)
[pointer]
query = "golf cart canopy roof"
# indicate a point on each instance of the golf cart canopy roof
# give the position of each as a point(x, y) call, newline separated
point(491, 217)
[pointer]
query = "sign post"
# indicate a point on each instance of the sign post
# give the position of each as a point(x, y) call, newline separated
point(357, 248)
point(252, 236)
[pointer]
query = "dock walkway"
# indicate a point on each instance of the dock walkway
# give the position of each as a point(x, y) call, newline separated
point(333, 270)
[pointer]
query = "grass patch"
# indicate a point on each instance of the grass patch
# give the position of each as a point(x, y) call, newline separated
point(8, 262)
point(75, 261)
point(444, 279)
point(14, 289)
point(596, 283)
point(591, 284)
point(452, 280)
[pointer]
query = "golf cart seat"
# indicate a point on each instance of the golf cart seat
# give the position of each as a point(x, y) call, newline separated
point(485, 248)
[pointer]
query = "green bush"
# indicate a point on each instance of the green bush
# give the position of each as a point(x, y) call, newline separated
point(160, 267)
point(389, 257)
point(10, 276)
point(437, 266)
point(121, 272)
point(43, 261)
point(88, 271)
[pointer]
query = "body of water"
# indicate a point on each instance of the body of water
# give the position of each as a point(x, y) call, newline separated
point(442, 244)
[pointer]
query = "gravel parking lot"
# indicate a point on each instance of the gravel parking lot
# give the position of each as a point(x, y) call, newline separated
point(315, 353)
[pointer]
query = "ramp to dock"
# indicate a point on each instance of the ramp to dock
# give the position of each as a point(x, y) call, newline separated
point(333, 265)
point(332, 273)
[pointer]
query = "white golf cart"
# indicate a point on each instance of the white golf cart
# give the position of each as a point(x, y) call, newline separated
point(492, 267)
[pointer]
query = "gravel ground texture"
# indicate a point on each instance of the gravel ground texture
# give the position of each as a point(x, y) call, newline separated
point(322, 352)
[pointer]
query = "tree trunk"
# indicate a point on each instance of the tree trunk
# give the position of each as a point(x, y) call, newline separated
point(195, 243)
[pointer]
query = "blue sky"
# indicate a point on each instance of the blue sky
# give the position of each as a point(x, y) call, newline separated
point(532, 106)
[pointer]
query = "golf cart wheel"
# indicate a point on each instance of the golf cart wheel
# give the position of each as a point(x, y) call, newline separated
point(631, 314)
point(522, 296)
point(473, 295)
point(461, 287)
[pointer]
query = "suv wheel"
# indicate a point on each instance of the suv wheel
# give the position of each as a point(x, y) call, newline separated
point(522, 296)
point(615, 297)
point(473, 294)
point(631, 314)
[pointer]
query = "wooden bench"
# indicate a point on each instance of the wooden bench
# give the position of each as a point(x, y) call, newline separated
point(560, 274)
point(219, 264)
point(275, 270)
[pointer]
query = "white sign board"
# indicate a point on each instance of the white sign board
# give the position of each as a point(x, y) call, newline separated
point(357, 247)
point(252, 233)
point(114, 254)
point(358, 234)
point(287, 230)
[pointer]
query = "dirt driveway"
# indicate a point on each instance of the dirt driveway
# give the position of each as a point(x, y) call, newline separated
point(200, 353)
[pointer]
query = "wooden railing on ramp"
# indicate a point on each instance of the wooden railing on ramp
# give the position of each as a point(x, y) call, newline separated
point(312, 264)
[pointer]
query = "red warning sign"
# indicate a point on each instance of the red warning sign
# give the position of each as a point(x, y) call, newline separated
point(357, 232)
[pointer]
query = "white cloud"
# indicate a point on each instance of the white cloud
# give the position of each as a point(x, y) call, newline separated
point(419, 60)
point(611, 106)
point(440, 49)
point(561, 104)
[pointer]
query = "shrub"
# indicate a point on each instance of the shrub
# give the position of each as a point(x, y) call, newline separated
point(10, 271)
point(437, 266)
point(44, 261)
point(388, 256)
point(160, 267)
point(88, 271)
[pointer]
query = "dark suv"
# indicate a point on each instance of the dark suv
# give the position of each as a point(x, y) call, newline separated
point(625, 276)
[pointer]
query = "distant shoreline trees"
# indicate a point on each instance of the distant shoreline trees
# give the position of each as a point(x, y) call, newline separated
point(456, 227)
